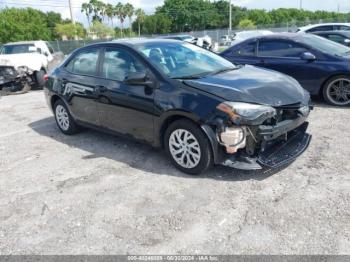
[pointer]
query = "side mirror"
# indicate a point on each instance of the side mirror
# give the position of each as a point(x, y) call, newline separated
point(347, 42)
point(46, 53)
point(39, 50)
point(308, 56)
point(138, 78)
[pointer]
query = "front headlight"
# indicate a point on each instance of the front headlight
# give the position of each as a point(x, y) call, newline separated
point(245, 113)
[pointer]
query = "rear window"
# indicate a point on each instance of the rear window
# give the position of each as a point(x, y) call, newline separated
point(84, 63)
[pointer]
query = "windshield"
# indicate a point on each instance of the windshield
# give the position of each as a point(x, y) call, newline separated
point(325, 45)
point(183, 60)
point(18, 49)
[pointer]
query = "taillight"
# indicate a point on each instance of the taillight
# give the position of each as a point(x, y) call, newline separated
point(46, 77)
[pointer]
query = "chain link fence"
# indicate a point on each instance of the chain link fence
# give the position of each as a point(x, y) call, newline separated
point(68, 46)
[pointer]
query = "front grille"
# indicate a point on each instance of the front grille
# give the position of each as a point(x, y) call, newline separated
point(7, 71)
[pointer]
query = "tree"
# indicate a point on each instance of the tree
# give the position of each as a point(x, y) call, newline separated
point(87, 9)
point(120, 12)
point(101, 30)
point(70, 30)
point(52, 19)
point(246, 24)
point(129, 12)
point(110, 12)
point(18, 24)
point(140, 18)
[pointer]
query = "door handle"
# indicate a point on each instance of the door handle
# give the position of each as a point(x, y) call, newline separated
point(101, 89)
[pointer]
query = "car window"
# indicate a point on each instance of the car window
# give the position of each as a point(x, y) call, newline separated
point(84, 63)
point(18, 49)
point(275, 48)
point(342, 27)
point(245, 50)
point(118, 63)
point(321, 28)
point(336, 38)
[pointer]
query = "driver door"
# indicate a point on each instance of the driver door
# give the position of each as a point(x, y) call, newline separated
point(124, 108)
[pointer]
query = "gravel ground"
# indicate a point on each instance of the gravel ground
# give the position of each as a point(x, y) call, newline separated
point(94, 193)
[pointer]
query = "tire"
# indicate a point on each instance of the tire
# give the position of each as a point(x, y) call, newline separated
point(39, 77)
point(194, 150)
point(64, 120)
point(334, 91)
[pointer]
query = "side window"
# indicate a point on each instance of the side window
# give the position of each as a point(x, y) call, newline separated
point(336, 38)
point(321, 28)
point(275, 48)
point(49, 46)
point(118, 64)
point(342, 27)
point(245, 50)
point(84, 63)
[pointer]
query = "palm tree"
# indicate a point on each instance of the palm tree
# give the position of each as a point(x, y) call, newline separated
point(95, 8)
point(110, 12)
point(129, 12)
point(120, 12)
point(101, 7)
point(140, 14)
point(87, 9)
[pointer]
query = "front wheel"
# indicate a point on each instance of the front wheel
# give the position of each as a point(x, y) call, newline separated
point(64, 120)
point(188, 147)
point(337, 91)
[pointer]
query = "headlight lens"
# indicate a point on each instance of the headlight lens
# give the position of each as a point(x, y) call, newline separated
point(245, 112)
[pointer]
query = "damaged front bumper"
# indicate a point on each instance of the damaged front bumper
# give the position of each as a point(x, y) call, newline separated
point(277, 145)
point(13, 79)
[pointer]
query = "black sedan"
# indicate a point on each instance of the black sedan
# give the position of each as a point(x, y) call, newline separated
point(199, 107)
point(341, 37)
point(321, 66)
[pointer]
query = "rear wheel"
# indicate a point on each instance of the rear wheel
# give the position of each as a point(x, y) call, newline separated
point(188, 147)
point(337, 91)
point(64, 120)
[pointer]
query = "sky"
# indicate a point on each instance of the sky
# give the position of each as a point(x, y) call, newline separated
point(149, 6)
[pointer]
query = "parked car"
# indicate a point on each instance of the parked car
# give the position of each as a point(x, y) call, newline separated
point(200, 107)
point(321, 66)
point(225, 40)
point(186, 38)
point(244, 35)
point(341, 37)
point(24, 64)
point(324, 27)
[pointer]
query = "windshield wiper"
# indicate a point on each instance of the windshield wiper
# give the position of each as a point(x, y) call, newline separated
point(224, 70)
point(196, 76)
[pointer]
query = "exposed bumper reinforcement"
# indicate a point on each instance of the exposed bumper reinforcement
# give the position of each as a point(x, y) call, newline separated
point(276, 153)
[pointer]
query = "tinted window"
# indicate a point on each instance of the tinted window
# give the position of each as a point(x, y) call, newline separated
point(336, 38)
point(18, 49)
point(275, 48)
point(84, 63)
point(342, 27)
point(321, 28)
point(118, 64)
point(245, 50)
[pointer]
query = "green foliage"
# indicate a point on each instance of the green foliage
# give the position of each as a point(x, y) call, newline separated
point(18, 24)
point(101, 30)
point(70, 30)
point(246, 24)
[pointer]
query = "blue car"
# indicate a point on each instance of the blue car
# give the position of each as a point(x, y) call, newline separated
point(321, 66)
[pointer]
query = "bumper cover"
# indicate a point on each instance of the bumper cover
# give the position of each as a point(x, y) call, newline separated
point(276, 152)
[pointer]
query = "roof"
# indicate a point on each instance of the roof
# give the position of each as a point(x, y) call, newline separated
point(345, 32)
point(303, 28)
point(139, 41)
point(23, 42)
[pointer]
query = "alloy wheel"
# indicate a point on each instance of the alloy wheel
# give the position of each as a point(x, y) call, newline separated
point(338, 91)
point(184, 148)
point(62, 117)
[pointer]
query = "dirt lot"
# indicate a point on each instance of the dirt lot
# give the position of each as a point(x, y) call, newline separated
point(97, 194)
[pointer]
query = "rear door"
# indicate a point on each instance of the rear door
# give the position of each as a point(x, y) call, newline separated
point(244, 53)
point(124, 108)
point(79, 81)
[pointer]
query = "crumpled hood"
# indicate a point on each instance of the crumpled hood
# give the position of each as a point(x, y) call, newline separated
point(253, 85)
point(33, 61)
